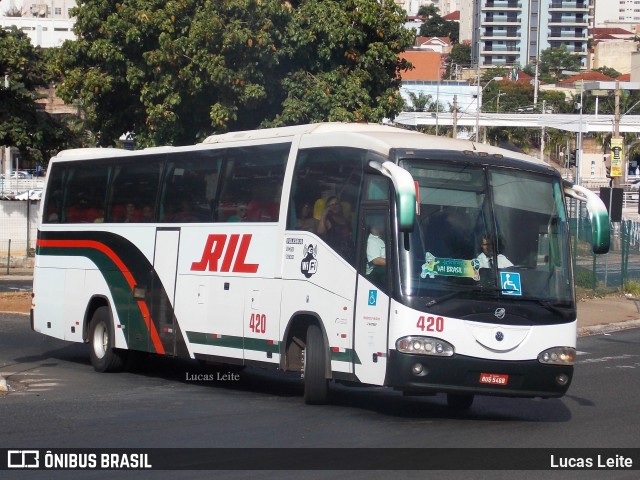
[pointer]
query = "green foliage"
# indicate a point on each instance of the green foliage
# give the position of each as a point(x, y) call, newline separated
point(554, 60)
point(632, 287)
point(584, 278)
point(609, 72)
point(176, 71)
point(460, 55)
point(422, 102)
point(435, 26)
point(22, 124)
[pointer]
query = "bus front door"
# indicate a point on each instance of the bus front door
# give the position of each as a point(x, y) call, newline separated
point(372, 298)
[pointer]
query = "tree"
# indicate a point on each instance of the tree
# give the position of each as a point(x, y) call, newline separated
point(422, 102)
point(458, 58)
point(554, 60)
point(609, 72)
point(22, 124)
point(176, 71)
point(436, 26)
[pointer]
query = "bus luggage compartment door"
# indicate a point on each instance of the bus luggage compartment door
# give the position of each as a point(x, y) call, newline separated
point(162, 286)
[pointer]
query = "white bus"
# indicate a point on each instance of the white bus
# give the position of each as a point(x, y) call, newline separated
point(251, 249)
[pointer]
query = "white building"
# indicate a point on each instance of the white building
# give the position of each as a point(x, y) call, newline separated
point(46, 23)
point(617, 13)
point(59, 9)
point(444, 6)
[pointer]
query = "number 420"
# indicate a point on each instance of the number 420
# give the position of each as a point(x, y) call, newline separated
point(258, 323)
point(431, 324)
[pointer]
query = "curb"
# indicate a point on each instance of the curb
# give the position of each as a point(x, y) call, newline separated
point(607, 328)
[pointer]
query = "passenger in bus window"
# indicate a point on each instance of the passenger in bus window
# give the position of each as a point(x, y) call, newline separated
point(306, 221)
point(99, 216)
point(240, 215)
point(335, 228)
point(486, 256)
point(52, 214)
point(130, 214)
point(147, 214)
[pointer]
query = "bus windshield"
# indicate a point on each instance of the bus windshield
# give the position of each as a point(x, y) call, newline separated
point(486, 229)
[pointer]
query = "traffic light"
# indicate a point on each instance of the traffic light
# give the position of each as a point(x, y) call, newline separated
point(572, 158)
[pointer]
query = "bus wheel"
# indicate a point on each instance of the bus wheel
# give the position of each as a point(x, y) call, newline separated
point(316, 385)
point(458, 401)
point(104, 357)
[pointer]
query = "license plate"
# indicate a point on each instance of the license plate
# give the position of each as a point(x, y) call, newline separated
point(494, 379)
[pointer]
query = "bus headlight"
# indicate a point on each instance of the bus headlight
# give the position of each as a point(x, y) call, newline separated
point(558, 356)
point(425, 346)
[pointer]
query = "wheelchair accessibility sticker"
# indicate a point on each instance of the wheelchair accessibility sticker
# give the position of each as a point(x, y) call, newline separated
point(510, 283)
point(373, 298)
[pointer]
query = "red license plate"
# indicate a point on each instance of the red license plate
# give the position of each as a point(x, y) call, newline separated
point(494, 379)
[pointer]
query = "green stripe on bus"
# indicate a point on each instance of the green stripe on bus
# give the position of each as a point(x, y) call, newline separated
point(135, 330)
point(348, 356)
point(230, 341)
point(258, 345)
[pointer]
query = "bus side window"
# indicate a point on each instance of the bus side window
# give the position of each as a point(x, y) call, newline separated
point(135, 183)
point(55, 197)
point(324, 173)
point(190, 187)
point(86, 189)
point(253, 178)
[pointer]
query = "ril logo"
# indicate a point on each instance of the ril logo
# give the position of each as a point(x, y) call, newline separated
point(213, 254)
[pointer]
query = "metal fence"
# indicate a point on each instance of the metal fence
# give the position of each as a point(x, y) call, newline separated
point(613, 270)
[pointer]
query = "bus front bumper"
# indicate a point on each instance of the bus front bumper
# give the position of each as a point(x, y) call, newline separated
point(468, 375)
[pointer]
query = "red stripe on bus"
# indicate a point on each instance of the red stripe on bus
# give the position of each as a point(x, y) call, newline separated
point(123, 269)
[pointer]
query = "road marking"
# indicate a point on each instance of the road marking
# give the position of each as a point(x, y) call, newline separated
point(22, 382)
point(608, 359)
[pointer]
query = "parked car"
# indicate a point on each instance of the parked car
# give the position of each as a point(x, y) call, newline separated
point(19, 174)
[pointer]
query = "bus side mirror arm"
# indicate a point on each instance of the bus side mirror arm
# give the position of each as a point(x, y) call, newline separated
point(405, 192)
point(600, 226)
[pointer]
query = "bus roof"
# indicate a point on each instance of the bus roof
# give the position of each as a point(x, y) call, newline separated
point(376, 137)
point(381, 138)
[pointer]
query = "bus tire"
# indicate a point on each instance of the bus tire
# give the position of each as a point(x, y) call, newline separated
point(458, 401)
point(104, 356)
point(316, 385)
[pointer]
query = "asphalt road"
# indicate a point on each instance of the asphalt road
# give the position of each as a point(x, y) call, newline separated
point(58, 401)
point(11, 285)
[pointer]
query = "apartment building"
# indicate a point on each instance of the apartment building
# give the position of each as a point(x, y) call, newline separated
point(514, 32)
point(46, 23)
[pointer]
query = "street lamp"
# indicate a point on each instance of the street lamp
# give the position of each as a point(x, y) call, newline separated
point(479, 104)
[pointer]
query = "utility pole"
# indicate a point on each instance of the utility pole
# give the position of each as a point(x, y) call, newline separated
point(7, 150)
point(544, 108)
point(454, 132)
point(616, 133)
